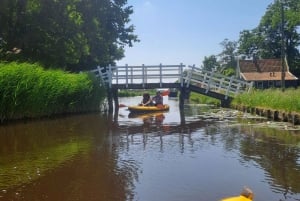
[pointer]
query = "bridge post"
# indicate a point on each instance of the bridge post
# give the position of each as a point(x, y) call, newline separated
point(181, 98)
point(112, 96)
point(109, 100)
point(226, 102)
point(184, 94)
point(116, 99)
point(181, 74)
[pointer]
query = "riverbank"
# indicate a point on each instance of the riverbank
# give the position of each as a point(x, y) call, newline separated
point(272, 114)
point(30, 91)
point(273, 104)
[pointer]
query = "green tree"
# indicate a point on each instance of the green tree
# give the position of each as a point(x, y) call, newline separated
point(265, 39)
point(228, 54)
point(210, 63)
point(225, 62)
point(72, 34)
point(228, 57)
point(249, 43)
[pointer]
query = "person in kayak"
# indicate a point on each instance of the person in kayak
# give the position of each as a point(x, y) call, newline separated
point(147, 101)
point(158, 99)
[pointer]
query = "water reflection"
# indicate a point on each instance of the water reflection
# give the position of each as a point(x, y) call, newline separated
point(162, 156)
point(62, 159)
point(227, 127)
point(277, 153)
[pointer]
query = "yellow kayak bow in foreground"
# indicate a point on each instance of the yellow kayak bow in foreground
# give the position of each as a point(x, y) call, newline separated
point(246, 195)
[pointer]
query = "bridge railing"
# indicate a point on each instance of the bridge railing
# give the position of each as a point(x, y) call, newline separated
point(160, 74)
point(126, 75)
point(213, 81)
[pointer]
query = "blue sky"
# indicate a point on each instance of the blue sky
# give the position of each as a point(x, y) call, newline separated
point(185, 31)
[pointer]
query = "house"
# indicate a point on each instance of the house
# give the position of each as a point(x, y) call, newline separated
point(265, 73)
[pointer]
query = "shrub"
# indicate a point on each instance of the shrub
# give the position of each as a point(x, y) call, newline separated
point(27, 90)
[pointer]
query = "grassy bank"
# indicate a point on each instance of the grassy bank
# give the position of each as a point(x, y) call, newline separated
point(202, 99)
point(271, 99)
point(29, 91)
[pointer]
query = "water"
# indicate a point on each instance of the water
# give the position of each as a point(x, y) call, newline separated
point(203, 154)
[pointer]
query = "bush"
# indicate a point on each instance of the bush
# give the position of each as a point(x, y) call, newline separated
point(272, 99)
point(27, 90)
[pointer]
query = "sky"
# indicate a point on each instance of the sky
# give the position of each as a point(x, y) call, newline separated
point(185, 31)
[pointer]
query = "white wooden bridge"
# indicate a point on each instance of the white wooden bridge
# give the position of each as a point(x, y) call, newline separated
point(185, 78)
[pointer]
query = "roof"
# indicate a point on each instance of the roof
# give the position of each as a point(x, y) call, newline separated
point(263, 69)
point(255, 76)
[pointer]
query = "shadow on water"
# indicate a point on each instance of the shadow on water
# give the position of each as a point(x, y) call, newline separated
point(159, 156)
point(260, 143)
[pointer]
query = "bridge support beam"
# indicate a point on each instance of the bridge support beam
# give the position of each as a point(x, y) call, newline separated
point(110, 100)
point(112, 96)
point(226, 102)
point(116, 99)
point(184, 94)
point(181, 98)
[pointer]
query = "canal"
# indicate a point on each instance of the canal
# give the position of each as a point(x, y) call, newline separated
point(203, 154)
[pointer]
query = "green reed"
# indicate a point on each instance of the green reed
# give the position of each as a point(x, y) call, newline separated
point(271, 99)
point(27, 90)
point(199, 98)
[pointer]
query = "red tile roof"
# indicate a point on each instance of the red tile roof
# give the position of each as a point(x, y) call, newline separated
point(264, 69)
point(255, 76)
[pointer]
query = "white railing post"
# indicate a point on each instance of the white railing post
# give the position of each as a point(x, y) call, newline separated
point(143, 75)
point(238, 88)
point(117, 74)
point(131, 74)
point(204, 77)
point(229, 86)
point(100, 74)
point(209, 81)
point(126, 73)
point(180, 77)
point(160, 75)
point(220, 85)
point(189, 76)
point(99, 71)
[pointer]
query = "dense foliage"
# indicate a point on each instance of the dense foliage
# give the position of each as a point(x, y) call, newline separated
point(265, 40)
point(27, 90)
point(72, 34)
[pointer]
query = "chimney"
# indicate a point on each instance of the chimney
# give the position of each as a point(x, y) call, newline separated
point(255, 63)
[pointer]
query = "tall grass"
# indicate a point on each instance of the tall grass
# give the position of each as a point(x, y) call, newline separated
point(288, 101)
point(27, 90)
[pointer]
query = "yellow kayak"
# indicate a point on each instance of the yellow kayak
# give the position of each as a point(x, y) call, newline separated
point(237, 198)
point(144, 109)
point(246, 195)
point(143, 115)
